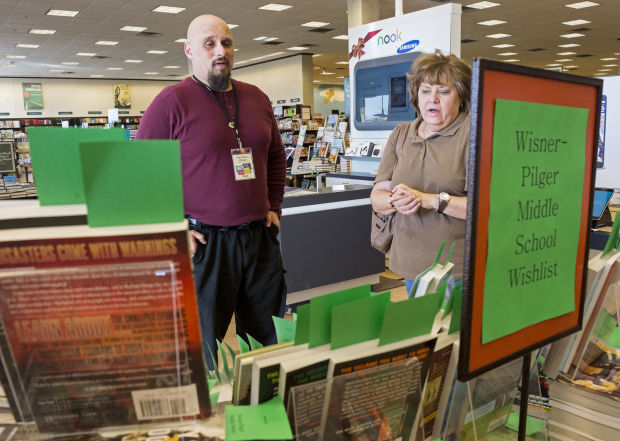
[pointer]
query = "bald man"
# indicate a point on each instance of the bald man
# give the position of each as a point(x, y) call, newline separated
point(234, 168)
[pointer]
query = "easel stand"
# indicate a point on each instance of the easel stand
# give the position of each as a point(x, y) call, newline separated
point(525, 385)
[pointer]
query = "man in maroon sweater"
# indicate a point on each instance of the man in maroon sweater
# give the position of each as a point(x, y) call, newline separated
point(234, 169)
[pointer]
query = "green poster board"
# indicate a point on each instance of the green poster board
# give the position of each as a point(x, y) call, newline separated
point(533, 232)
point(530, 179)
point(33, 96)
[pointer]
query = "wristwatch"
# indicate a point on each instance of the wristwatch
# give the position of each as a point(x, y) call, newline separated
point(443, 199)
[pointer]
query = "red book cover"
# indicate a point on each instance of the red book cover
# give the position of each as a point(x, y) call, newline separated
point(104, 329)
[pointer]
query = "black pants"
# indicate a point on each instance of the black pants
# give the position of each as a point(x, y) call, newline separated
point(240, 271)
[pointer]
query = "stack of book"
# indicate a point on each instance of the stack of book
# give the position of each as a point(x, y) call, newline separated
point(582, 414)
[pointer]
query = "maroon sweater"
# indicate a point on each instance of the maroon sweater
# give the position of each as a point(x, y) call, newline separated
point(188, 112)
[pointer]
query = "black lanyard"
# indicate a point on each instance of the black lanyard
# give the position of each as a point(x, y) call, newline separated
point(233, 123)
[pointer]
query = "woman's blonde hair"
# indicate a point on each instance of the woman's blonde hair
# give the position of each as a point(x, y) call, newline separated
point(438, 68)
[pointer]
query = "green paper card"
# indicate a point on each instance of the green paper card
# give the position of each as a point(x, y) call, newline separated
point(303, 324)
point(212, 383)
point(321, 312)
point(243, 346)
point(358, 321)
point(214, 397)
point(56, 161)
point(532, 425)
point(409, 318)
point(537, 177)
point(254, 344)
point(132, 182)
point(285, 329)
point(266, 421)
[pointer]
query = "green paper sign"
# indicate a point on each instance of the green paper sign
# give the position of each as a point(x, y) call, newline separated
point(537, 178)
point(254, 344)
point(303, 324)
point(532, 425)
point(243, 346)
point(358, 321)
point(56, 161)
point(321, 312)
point(132, 182)
point(409, 318)
point(285, 329)
point(266, 421)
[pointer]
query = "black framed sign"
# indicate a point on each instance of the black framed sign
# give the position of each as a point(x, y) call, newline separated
point(531, 175)
point(7, 156)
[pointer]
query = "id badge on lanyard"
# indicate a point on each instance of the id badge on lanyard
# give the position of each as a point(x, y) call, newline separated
point(243, 164)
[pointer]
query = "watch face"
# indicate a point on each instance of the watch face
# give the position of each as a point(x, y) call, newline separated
point(444, 196)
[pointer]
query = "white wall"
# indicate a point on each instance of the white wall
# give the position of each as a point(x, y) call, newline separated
point(609, 175)
point(281, 79)
point(76, 95)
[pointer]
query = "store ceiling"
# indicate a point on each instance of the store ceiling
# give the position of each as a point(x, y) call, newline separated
point(535, 28)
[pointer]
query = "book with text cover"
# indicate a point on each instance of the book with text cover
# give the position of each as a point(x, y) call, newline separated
point(266, 373)
point(366, 367)
point(102, 325)
point(441, 376)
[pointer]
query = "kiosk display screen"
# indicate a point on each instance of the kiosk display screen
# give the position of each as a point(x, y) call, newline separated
point(381, 95)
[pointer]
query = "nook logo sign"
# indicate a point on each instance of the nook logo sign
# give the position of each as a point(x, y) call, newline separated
point(389, 38)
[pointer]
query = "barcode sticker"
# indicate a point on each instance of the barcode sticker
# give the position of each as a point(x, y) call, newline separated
point(165, 402)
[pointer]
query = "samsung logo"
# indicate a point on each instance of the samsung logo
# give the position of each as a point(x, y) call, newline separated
point(409, 46)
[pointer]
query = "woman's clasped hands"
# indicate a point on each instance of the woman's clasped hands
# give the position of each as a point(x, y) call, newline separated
point(404, 199)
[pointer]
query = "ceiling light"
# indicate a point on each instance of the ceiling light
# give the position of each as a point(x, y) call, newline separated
point(315, 81)
point(168, 9)
point(341, 37)
point(569, 45)
point(342, 62)
point(482, 5)
point(8, 66)
point(236, 49)
point(491, 22)
point(564, 60)
point(69, 63)
point(610, 65)
point(511, 60)
point(498, 36)
point(133, 61)
point(553, 65)
point(608, 59)
point(567, 53)
point(581, 5)
point(106, 43)
point(232, 26)
point(133, 28)
point(151, 73)
point(573, 35)
point(616, 53)
point(571, 67)
point(502, 46)
point(16, 57)
point(55, 70)
point(171, 67)
point(27, 46)
point(85, 54)
point(96, 76)
point(181, 40)
point(315, 24)
point(341, 76)
point(604, 70)
point(62, 13)
point(297, 48)
point(262, 37)
point(274, 7)
point(575, 22)
point(114, 68)
point(271, 39)
point(316, 55)
point(506, 54)
point(327, 73)
point(42, 31)
point(153, 51)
